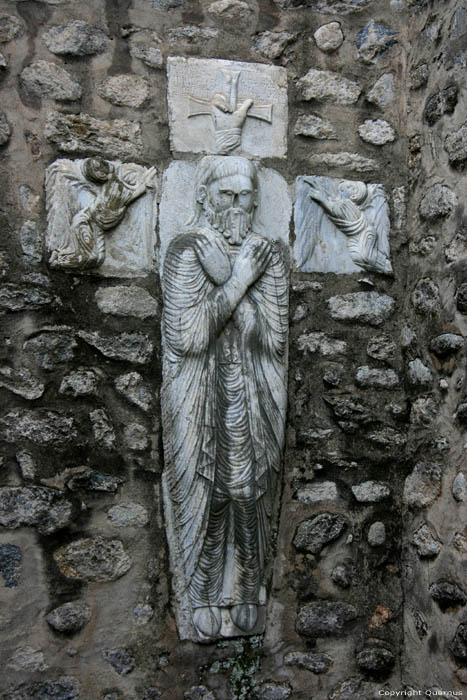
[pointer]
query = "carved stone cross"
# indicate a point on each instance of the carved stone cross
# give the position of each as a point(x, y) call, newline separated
point(227, 114)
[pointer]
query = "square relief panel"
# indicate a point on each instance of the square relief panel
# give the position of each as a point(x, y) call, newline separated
point(101, 217)
point(341, 226)
point(227, 107)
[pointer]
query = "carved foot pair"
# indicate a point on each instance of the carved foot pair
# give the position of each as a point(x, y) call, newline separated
point(208, 620)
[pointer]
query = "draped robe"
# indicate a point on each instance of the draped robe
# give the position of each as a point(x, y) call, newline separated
point(197, 316)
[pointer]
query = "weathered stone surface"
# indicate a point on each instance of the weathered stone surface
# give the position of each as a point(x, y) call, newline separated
point(35, 506)
point(374, 40)
point(45, 79)
point(121, 659)
point(199, 692)
point(382, 92)
point(64, 688)
point(102, 429)
point(377, 534)
point(23, 298)
point(344, 575)
point(419, 76)
point(371, 491)
point(192, 34)
point(322, 492)
point(427, 546)
point(418, 374)
point(11, 558)
point(125, 90)
point(448, 594)
point(458, 645)
point(92, 480)
point(423, 411)
point(130, 347)
point(446, 344)
point(70, 617)
point(423, 486)
point(349, 162)
point(362, 307)
point(272, 44)
point(230, 10)
point(41, 426)
point(329, 37)
point(270, 690)
point(93, 559)
point(135, 436)
point(321, 343)
point(128, 515)
point(425, 297)
point(315, 127)
point(313, 535)
point(387, 437)
point(10, 28)
point(329, 86)
point(5, 130)
point(83, 382)
point(51, 348)
point(349, 409)
point(26, 464)
point(27, 659)
point(375, 378)
point(461, 298)
point(323, 619)
point(82, 134)
point(203, 79)
point(149, 55)
point(459, 487)
point(21, 382)
point(316, 663)
point(331, 7)
point(437, 202)
point(30, 238)
point(127, 301)
point(134, 389)
point(375, 659)
point(377, 132)
point(143, 613)
point(442, 102)
point(75, 38)
point(455, 145)
point(381, 347)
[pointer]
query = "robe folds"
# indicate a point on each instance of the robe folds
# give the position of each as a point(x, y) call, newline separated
point(197, 315)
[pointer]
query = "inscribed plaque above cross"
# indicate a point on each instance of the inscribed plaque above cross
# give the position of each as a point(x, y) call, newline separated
point(227, 107)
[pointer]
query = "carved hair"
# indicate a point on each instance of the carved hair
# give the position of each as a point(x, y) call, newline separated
point(213, 168)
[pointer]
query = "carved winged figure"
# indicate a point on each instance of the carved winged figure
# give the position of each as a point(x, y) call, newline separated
point(77, 241)
point(224, 397)
point(360, 212)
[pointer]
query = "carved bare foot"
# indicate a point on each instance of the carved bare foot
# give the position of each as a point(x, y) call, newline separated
point(208, 620)
point(244, 616)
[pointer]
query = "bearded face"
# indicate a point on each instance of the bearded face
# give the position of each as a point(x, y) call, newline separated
point(230, 205)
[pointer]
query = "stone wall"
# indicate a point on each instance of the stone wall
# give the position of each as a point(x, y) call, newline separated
point(368, 586)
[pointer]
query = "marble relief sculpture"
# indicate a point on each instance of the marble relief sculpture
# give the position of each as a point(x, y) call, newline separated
point(86, 199)
point(225, 328)
point(341, 226)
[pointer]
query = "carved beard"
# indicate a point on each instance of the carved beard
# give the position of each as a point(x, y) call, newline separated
point(234, 223)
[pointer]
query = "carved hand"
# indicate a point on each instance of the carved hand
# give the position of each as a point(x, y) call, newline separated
point(244, 316)
point(252, 261)
point(225, 118)
point(214, 259)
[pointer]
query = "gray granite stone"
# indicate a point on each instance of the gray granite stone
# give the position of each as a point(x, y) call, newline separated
point(75, 38)
point(455, 145)
point(135, 437)
point(51, 348)
point(92, 480)
point(64, 688)
point(377, 132)
point(230, 10)
point(134, 389)
point(382, 92)
point(5, 129)
point(313, 535)
point(70, 617)
point(10, 28)
point(130, 347)
point(437, 202)
point(377, 534)
point(374, 40)
point(81, 134)
point(371, 491)
point(11, 558)
point(30, 238)
point(315, 127)
point(441, 103)
point(328, 86)
point(459, 487)
point(21, 382)
point(446, 344)
point(375, 659)
point(419, 76)
point(26, 464)
point(143, 613)
point(329, 37)
point(271, 690)
point(381, 347)
point(149, 55)
point(272, 44)
point(128, 515)
point(26, 658)
point(34, 506)
point(309, 342)
point(93, 559)
point(427, 545)
point(82, 382)
point(458, 645)
point(44, 79)
point(423, 486)
point(23, 298)
point(102, 428)
point(199, 692)
point(362, 307)
point(323, 619)
point(192, 34)
point(425, 297)
point(127, 301)
point(448, 594)
point(127, 90)
point(418, 374)
point(345, 160)
point(40, 426)
point(376, 378)
point(121, 659)
point(316, 663)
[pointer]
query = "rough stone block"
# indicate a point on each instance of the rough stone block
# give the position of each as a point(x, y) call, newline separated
point(328, 86)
